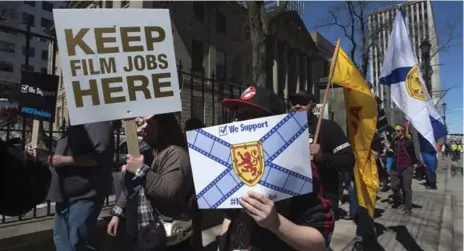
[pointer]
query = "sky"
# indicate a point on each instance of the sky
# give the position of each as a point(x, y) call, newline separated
point(451, 70)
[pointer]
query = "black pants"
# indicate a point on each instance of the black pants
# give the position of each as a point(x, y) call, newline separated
point(402, 179)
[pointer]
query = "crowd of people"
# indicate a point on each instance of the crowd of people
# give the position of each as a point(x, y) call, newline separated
point(156, 208)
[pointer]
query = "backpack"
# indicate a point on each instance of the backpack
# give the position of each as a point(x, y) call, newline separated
point(25, 181)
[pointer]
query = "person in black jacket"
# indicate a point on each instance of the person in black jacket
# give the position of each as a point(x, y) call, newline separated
point(300, 223)
point(332, 152)
point(25, 181)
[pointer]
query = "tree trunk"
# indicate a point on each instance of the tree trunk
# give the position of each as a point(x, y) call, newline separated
point(258, 42)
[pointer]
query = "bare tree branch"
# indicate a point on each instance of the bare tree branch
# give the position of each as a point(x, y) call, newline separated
point(453, 39)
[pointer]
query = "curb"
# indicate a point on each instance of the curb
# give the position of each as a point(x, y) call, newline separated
point(446, 228)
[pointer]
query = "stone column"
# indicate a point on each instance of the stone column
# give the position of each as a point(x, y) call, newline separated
point(275, 66)
point(285, 60)
point(304, 84)
point(297, 69)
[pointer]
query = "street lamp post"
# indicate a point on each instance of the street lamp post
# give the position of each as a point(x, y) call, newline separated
point(444, 120)
point(426, 69)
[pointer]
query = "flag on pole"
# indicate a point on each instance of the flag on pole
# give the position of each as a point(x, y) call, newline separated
point(361, 110)
point(402, 73)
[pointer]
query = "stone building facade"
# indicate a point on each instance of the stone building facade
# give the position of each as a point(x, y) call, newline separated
point(213, 51)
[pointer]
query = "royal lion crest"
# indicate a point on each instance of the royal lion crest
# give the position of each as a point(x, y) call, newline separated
point(248, 161)
point(413, 84)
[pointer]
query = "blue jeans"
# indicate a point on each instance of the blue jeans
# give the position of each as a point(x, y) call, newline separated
point(75, 225)
point(353, 199)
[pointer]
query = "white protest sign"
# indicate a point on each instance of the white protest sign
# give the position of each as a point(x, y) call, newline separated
point(318, 108)
point(117, 63)
point(269, 155)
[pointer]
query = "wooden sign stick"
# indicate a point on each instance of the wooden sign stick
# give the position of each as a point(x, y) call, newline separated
point(35, 132)
point(326, 94)
point(131, 138)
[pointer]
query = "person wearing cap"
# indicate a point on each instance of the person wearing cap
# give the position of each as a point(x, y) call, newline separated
point(332, 153)
point(299, 223)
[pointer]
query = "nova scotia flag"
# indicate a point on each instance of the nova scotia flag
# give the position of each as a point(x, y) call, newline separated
point(401, 72)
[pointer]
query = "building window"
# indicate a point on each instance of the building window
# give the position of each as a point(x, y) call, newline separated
point(125, 4)
point(109, 4)
point(47, 6)
point(199, 11)
point(27, 68)
point(197, 55)
point(248, 69)
point(6, 66)
point(237, 67)
point(221, 66)
point(45, 54)
point(46, 22)
point(27, 17)
point(31, 51)
point(58, 116)
point(31, 3)
point(221, 24)
point(7, 47)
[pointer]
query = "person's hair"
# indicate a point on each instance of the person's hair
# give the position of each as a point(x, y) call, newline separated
point(169, 131)
point(401, 126)
point(193, 123)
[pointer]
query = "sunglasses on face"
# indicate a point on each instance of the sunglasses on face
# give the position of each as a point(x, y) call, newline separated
point(300, 101)
point(398, 130)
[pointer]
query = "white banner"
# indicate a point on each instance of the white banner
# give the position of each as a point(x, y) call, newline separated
point(318, 108)
point(270, 155)
point(117, 63)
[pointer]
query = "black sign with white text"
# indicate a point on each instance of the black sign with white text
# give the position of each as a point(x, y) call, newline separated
point(38, 95)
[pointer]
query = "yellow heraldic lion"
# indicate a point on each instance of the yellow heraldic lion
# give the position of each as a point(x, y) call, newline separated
point(248, 161)
point(413, 84)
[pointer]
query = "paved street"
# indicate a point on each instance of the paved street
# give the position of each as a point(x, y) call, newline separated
point(397, 232)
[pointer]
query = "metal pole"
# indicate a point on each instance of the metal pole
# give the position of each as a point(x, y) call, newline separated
point(444, 120)
point(26, 63)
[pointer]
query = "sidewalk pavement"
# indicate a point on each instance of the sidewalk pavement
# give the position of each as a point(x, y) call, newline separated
point(420, 231)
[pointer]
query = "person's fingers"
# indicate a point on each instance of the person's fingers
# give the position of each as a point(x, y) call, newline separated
point(259, 197)
point(253, 211)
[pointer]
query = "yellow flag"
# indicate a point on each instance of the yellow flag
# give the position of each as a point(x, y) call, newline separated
point(361, 113)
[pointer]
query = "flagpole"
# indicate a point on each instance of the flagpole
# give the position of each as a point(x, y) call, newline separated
point(327, 89)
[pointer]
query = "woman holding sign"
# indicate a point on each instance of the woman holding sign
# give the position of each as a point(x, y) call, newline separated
point(155, 202)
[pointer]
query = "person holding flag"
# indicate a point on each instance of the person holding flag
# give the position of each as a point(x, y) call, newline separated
point(401, 73)
point(361, 110)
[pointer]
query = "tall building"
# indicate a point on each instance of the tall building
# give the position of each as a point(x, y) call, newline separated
point(421, 26)
point(297, 6)
point(13, 17)
point(214, 38)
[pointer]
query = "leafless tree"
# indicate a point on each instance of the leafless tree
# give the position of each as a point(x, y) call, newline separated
point(352, 18)
point(259, 22)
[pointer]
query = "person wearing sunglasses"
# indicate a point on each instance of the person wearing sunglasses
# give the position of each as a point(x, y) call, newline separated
point(402, 170)
point(298, 223)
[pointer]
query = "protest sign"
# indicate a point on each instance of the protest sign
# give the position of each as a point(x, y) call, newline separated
point(117, 63)
point(318, 108)
point(38, 95)
point(270, 155)
point(37, 99)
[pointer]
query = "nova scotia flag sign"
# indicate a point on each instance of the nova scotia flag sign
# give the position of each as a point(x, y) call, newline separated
point(401, 72)
point(269, 155)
